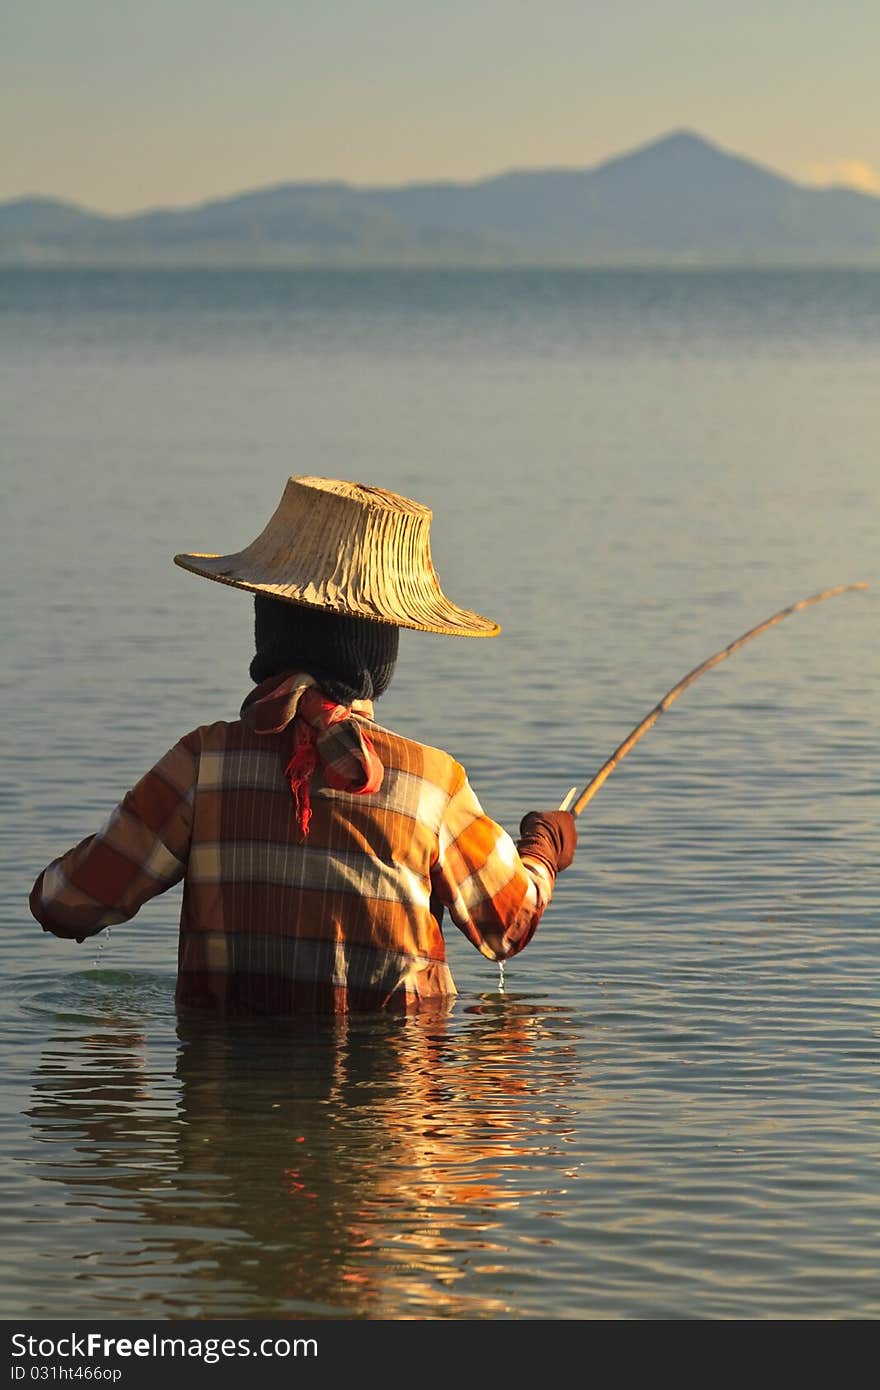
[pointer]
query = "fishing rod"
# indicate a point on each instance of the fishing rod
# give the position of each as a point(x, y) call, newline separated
point(605, 771)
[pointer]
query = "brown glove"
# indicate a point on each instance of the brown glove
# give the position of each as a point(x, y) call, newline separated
point(549, 836)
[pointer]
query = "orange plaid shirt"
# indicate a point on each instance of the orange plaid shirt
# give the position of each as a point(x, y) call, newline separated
point(346, 919)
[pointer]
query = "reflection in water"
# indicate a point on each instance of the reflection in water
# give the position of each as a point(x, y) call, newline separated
point(351, 1167)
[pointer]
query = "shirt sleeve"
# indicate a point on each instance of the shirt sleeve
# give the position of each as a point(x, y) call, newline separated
point(493, 896)
point(141, 850)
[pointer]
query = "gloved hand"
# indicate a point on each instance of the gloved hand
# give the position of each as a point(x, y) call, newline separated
point(549, 836)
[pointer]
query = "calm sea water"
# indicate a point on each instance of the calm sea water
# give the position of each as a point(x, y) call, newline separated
point(673, 1109)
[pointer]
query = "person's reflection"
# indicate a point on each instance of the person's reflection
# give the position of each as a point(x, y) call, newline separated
point(352, 1167)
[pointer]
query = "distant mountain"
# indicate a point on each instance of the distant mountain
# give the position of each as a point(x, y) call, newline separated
point(679, 200)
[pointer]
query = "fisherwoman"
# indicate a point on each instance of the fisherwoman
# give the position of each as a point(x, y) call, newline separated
point(317, 849)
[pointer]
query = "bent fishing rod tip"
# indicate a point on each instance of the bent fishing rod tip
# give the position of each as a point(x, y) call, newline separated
point(653, 715)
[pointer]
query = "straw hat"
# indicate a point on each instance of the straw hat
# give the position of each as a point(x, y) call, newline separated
point(351, 549)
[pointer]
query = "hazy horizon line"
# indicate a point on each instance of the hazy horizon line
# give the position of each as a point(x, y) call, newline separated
point(869, 188)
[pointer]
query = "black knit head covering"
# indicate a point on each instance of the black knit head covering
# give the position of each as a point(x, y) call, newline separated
point(350, 658)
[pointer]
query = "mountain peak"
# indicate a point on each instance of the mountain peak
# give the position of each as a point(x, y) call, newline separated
point(677, 147)
point(682, 139)
point(683, 161)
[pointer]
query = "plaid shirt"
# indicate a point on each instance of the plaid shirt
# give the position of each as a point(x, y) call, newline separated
point(273, 923)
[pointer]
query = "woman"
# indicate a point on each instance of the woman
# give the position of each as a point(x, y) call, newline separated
point(317, 849)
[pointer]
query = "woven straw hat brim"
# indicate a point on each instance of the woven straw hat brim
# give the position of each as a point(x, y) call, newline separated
point(436, 614)
point(350, 549)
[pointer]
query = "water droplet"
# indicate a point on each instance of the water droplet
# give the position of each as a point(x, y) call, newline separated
point(501, 977)
point(101, 941)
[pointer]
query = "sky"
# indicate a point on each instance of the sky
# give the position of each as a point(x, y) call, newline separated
point(120, 106)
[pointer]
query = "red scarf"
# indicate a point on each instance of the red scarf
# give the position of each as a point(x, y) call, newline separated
point(323, 733)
